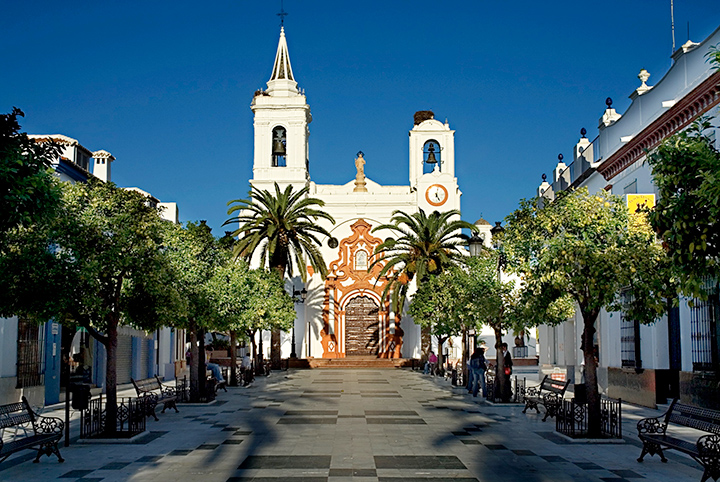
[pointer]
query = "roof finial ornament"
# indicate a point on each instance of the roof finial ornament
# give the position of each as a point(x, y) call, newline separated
point(282, 13)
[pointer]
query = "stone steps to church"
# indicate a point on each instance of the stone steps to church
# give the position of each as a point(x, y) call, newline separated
point(358, 362)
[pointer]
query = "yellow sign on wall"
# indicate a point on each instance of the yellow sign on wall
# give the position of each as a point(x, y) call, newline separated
point(637, 202)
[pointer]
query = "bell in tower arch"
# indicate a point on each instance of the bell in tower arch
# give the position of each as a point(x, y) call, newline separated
point(279, 151)
point(431, 154)
point(279, 143)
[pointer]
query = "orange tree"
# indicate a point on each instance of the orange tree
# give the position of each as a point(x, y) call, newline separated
point(590, 248)
point(96, 264)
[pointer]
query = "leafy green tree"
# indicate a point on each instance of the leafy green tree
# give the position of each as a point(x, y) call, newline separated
point(435, 307)
point(422, 246)
point(100, 265)
point(588, 247)
point(249, 301)
point(194, 255)
point(27, 188)
point(283, 227)
point(686, 171)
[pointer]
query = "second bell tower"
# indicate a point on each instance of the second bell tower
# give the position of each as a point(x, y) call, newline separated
point(282, 116)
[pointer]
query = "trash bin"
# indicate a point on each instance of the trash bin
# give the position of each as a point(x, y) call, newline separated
point(580, 393)
point(80, 395)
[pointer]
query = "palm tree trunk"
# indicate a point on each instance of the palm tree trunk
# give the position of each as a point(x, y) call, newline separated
point(278, 261)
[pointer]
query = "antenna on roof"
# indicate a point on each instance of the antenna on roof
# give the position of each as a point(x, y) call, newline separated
point(283, 13)
point(672, 24)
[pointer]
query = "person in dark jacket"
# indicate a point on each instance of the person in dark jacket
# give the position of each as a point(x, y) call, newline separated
point(478, 366)
point(507, 393)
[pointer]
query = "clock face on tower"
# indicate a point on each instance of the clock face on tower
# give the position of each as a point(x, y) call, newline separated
point(436, 195)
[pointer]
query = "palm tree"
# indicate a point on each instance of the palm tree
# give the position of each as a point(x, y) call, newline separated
point(283, 227)
point(424, 246)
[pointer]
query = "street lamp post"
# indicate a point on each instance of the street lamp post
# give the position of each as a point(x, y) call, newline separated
point(476, 245)
point(298, 297)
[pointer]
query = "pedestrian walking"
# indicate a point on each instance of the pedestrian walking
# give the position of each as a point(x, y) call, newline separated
point(431, 364)
point(478, 365)
point(507, 360)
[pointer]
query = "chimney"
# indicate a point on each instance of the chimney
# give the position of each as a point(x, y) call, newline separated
point(101, 168)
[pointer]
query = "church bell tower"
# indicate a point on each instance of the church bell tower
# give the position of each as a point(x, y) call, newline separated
point(282, 116)
point(432, 163)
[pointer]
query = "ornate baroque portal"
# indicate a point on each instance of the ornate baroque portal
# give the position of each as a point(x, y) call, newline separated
point(355, 320)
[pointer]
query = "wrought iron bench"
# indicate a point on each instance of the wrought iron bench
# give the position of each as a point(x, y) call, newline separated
point(706, 450)
point(44, 436)
point(153, 392)
point(549, 394)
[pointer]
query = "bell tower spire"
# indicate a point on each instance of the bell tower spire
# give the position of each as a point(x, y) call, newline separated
point(282, 116)
point(282, 78)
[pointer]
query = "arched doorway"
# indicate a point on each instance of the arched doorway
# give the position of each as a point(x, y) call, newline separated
point(362, 323)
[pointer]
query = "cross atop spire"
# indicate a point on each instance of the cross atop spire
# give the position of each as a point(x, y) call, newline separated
point(282, 14)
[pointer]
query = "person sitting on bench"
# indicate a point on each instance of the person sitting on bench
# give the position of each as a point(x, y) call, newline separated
point(215, 369)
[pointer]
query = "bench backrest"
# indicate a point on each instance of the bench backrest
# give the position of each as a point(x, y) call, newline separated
point(146, 385)
point(555, 386)
point(698, 418)
point(16, 414)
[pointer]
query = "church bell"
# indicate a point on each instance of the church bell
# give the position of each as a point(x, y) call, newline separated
point(431, 154)
point(278, 147)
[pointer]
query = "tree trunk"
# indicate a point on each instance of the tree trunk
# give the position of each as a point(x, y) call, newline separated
point(441, 359)
point(233, 359)
point(259, 368)
point(499, 365)
point(202, 365)
point(591, 384)
point(111, 376)
point(194, 372)
point(275, 358)
point(425, 342)
point(251, 335)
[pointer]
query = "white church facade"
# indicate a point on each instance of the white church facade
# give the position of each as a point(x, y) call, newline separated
point(344, 314)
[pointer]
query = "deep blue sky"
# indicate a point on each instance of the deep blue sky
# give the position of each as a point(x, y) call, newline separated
point(166, 86)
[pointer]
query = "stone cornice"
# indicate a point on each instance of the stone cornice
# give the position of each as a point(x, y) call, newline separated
point(700, 100)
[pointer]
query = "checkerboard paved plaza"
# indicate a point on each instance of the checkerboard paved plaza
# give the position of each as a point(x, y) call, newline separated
point(363, 425)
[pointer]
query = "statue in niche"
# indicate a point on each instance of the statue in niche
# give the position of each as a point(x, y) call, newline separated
point(360, 176)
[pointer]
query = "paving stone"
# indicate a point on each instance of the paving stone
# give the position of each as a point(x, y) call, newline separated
point(306, 421)
point(286, 462)
point(149, 458)
point(114, 466)
point(75, 474)
point(180, 452)
point(523, 452)
point(418, 462)
point(588, 466)
point(627, 474)
point(352, 473)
